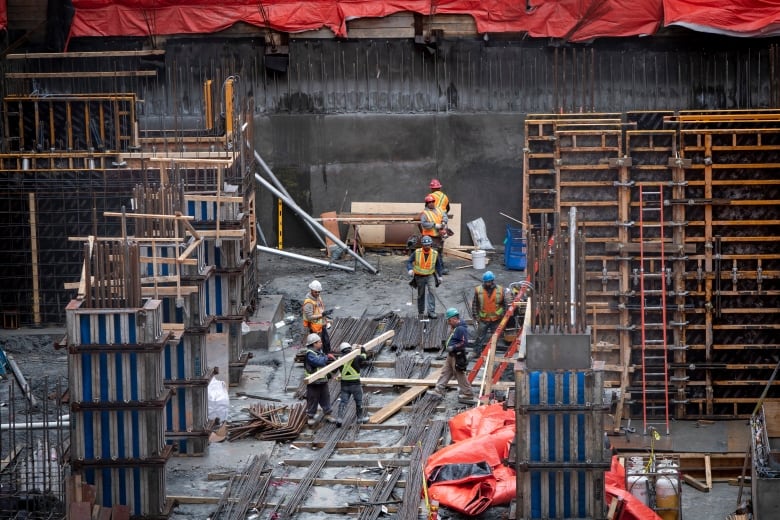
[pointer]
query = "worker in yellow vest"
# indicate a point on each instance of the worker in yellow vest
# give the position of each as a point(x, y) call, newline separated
point(350, 385)
point(315, 317)
point(488, 307)
point(433, 223)
point(424, 266)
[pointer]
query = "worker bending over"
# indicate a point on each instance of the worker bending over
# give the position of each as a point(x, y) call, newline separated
point(317, 394)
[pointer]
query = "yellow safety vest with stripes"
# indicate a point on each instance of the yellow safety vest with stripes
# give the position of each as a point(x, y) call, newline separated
point(350, 373)
point(425, 264)
point(442, 201)
point(318, 307)
point(435, 216)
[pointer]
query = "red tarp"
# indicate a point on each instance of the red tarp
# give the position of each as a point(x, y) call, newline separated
point(571, 20)
point(3, 14)
point(733, 17)
point(574, 20)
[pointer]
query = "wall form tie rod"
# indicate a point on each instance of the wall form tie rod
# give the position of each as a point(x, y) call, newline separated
point(297, 209)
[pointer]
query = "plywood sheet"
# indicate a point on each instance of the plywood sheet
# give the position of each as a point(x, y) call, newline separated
point(381, 234)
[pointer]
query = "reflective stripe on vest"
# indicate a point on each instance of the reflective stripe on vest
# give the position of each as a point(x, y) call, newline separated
point(441, 200)
point(348, 372)
point(425, 265)
point(316, 324)
point(309, 370)
point(435, 217)
point(490, 304)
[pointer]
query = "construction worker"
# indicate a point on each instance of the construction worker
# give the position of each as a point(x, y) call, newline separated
point(315, 319)
point(350, 384)
point(442, 201)
point(456, 363)
point(488, 306)
point(317, 393)
point(424, 266)
point(433, 223)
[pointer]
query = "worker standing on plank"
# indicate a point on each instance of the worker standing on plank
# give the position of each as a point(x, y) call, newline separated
point(433, 223)
point(424, 266)
point(315, 319)
point(488, 305)
point(317, 393)
point(442, 201)
point(456, 363)
point(350, 385)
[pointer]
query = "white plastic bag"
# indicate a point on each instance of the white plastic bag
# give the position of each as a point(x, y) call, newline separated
point(479, 234)
point(219, 400)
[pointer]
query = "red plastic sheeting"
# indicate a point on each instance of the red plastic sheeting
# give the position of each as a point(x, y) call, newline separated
point(574, 20)
point(3, 14)
point(483, 420)
point(615, 486)
point(748, 18)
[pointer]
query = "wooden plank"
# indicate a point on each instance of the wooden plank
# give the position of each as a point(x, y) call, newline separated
point(80, 511)
point(85, 54)
point(329, 223)
point(57, 75)
point(694, 483)
point(369, 345)
point(390, 409)
point(377, 234)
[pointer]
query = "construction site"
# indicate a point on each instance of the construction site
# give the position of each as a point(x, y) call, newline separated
point(174, 180)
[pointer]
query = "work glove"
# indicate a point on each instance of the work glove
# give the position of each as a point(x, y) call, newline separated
point(410, 272)
point(327, 313)
point(331, 357)
point(437, 281)
point(363, 350)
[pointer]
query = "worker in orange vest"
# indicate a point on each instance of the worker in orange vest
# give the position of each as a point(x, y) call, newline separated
point(424, 266)
point(442, 201)
point(488, 307)
point(433, 223)
point(315, 317)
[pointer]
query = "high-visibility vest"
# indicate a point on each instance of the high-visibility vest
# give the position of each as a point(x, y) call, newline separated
point(442, 201)
point(309, 370)
point(425, 264)
point(435, 216)
point(314, 325)
point(491, 306)
point(349, 373)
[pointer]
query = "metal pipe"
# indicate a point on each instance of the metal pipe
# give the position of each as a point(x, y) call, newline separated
point(572, 266)
point(281, 188)
point(64, 421)
point(317, 261)
point(308, 218)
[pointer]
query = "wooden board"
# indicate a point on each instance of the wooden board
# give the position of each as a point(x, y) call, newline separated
point(379, 234)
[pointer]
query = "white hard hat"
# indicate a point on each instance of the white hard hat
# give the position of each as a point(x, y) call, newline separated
point(315, 286)
point(345, 348)
point(312, 338)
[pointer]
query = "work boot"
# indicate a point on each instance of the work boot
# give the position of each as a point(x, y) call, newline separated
point(433, 315)
point(312, 421)
point(435, 393)
point(466, 399)
point(338, 422)
point(362, 420)
point(329, 418)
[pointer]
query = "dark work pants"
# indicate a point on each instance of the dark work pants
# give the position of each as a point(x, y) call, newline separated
point(317, 394)
point(351, 389)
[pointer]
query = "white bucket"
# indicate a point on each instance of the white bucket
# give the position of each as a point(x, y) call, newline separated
point(478, 257)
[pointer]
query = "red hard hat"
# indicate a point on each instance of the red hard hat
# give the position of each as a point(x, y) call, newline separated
point(435, 184)
point(429, 198)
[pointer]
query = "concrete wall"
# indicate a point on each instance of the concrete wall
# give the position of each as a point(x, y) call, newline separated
point(328, 161)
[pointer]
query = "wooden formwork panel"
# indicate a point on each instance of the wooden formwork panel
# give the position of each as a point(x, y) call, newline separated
point(140, 487)
point(227, 253)
point(118, 375)
point(186, 418)
point(186, 359)
point(224, 295)
point(561, 493)
point(161, 261)
point(87, 326)
point(119, 433)
point(188, 307)
point(213, 208)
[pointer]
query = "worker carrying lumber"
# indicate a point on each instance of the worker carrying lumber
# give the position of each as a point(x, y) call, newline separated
point(456, 362)
point(424, 266)
point(442, 201)
point(317, 393)
point(433, 223)
point(350, 385)
point(315, 317)
point(488, 305)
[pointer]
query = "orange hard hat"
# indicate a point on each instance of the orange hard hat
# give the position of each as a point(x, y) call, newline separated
point(435, 184)
point(429, 198)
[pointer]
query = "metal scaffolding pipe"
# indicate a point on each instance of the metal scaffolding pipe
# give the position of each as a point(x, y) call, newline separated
point(320, 227)
point(281, 188)
point(309, 259)
point(64, 421)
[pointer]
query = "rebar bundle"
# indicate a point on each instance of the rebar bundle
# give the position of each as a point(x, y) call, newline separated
point(270, 424)
point(244, 490)
point(426, 442)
